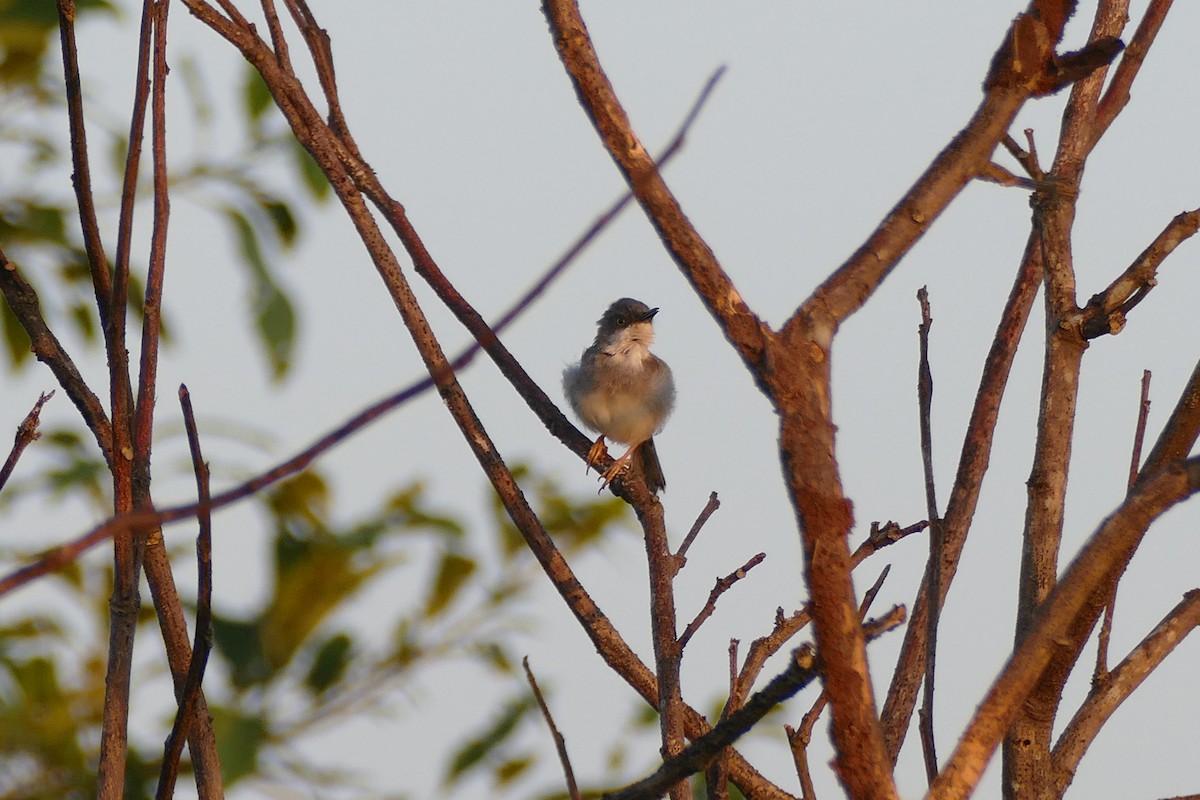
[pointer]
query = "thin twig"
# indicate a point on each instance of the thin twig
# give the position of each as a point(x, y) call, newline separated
point(1106, 311)
point(202, 644)
point(934, 570)
point(1033, 153)
point(716, 776)
point(560, 744)
point(143, 425)
point(880, 536)
point(800, 672)
point(1111, 545)
point(1139, 435)
point(788, 626)
point(127, 550)
point(278, 40)
point(1104, 699)
point(964, 496)
point(81, 166)
point(709, 508)
point(722, 585)
point(1100, 673)
point(1117, 95)
point(798, 741)
point(26, 307)
point(799, 738)
point(1026, 158)
point(27, 434)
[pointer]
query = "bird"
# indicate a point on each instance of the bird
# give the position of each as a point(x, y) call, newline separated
point(622, 391)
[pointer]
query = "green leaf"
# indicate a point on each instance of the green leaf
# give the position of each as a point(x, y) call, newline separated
point(273, 312)
point(406, 511)
point(280, 214)
point(239, 739)
point(84, 317)
point(306, 496)
point(313, 577)
point(277, 325)
point(512, 769)
point(479, 747)
point(453, 572)
point(255, 95)
point(330, 663)
point(311, 172)
point(247, 242)
point(241, 644)
point(16, 341)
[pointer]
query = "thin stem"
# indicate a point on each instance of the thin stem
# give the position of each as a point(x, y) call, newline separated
point(27, 434)
point(709, 509)
point(81, 177)
point(190, 696)
point(560, 744)
point(933, 570)
point(24, 303)
point(722, 585)
point(1108, 547)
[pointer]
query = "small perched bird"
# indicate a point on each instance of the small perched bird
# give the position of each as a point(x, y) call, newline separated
point(622, 391)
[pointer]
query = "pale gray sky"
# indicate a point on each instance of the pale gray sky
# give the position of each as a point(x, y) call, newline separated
point(826, 115)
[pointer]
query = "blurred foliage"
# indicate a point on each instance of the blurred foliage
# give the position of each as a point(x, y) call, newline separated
point(39, 228)
point(312, 655)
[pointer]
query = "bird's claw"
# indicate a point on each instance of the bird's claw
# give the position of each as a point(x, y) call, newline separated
point(597, 452)
point(619, 466)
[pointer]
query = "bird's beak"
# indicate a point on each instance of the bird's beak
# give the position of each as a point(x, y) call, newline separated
point(649, 315)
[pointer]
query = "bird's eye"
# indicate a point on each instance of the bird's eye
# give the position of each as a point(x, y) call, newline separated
point(621, 321)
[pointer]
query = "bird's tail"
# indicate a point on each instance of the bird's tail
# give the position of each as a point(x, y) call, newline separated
point(645, 459)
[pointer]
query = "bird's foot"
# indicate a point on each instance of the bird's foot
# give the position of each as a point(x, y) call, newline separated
point(597, 452)
point(619, 466)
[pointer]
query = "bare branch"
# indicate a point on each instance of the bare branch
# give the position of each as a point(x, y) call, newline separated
point(23, 302)
point(1026, 158)
point(27, 434)
point(800, 672)
point(709, 509)
point(190, 697)
point(143, 423)
point(1014, 77)
point(1104, 552)
point(964, 496)
point(1181, 431)
point(81, 176)
point(798, 741)
point(127, 550)
point(722, 585)
point(1139, 434)
point(1105, 313)
point(1100, 673)
point(881, 536)
point(1107, 695)
point(668, 645)
point(691, 253)
point(933, 569)
point(1117, 96)
point(560, 744)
